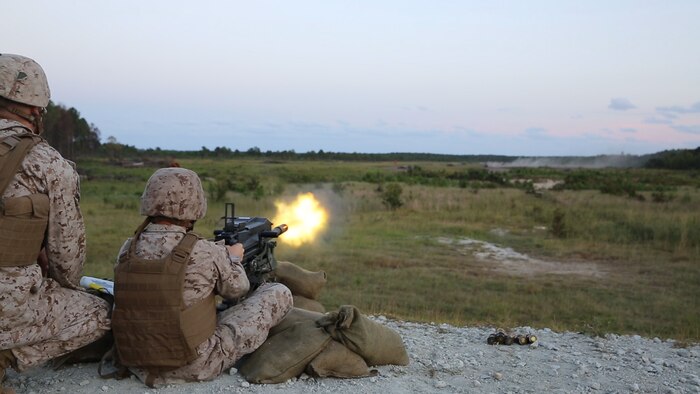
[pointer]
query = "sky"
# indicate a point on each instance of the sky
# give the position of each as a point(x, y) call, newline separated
point(519, 78)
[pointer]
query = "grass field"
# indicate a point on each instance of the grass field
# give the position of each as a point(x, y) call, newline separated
point(630, 239)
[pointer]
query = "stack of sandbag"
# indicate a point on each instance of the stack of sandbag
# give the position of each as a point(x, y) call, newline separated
point(286, 351)
point(374, 342)
point(305, 285)
point(341, 344)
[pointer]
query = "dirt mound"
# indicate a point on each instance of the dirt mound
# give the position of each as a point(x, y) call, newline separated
point(508, 261)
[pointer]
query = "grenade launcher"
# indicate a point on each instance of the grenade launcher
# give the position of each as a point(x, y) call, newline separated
point(258, 239)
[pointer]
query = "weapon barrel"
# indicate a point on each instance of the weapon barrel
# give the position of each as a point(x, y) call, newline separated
point(275, 232)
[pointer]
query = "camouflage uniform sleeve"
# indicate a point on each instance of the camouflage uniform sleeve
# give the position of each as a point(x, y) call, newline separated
point(232, 282)
point(123, 249)
point(65, 235)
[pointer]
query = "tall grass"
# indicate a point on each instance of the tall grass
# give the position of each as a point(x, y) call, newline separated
point(390, 261)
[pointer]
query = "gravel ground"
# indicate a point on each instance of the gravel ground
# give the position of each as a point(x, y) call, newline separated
point(452, 359)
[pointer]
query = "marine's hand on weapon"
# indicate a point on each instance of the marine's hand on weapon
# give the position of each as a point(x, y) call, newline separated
point(235, 252)
point(258, 239)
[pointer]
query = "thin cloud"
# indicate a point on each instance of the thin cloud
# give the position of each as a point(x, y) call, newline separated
point(668, 115)
point(693, 109)
point(628, 130)
point(381, 123)
point(420, 108)
point(621, 104)
point(222, 123)
point(655, 120)
point(468, 131)
point(690, 129)
point(535, 131)
point(306, 125)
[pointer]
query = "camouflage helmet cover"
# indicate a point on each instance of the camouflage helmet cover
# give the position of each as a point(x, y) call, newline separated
point(22, 80)
point(175, 193)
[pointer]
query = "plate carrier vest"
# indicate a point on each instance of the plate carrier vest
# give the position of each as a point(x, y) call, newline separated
point(23, 220)
point(152, 327)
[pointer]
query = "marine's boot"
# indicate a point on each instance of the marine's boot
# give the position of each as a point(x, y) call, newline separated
point(89, 353)
point(7, 360)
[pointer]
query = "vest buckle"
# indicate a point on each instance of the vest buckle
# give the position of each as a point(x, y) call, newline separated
point(180, 255)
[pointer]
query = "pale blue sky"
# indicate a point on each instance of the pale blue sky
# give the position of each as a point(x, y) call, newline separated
point(458, 77)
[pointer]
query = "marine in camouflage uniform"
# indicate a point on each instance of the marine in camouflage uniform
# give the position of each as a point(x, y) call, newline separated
point(42, 317)
point(172, 200)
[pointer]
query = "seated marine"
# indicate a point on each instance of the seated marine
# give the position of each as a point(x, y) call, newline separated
point(165, 323)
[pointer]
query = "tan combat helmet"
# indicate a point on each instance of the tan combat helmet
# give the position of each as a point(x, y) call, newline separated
point(174, 193)
point(22, 80)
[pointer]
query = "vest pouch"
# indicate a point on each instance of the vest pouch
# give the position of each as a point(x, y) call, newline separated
point(23, 222)
point(149, 342)
point(197, 323)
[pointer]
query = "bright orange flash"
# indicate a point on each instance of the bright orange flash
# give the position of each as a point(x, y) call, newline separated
point(305, 218)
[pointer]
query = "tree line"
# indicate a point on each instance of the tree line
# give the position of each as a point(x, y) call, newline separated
point(74, 137)
point(679, 159)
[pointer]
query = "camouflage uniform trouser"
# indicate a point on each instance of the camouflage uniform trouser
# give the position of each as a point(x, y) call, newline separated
point(70, 320)
point(240, 330)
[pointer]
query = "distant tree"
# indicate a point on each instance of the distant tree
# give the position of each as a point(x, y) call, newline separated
point(69, 133)
point(222, 151)
point(113, 148)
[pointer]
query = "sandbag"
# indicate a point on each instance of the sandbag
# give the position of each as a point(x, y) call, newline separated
point(308, 304)
point(300, 281)
point(285, 354)
point(293, 316)
point(339, 362)
point(377, 344)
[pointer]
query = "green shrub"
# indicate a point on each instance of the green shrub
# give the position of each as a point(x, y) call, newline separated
point(338, 187)
point(661, 196)
point(218, 188)
point(558, 227)
point(391, 196)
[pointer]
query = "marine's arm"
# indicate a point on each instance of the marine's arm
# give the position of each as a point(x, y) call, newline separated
point(232, 282)
point(65, 234)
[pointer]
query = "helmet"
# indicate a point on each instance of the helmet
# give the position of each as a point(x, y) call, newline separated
point(22, 80)
point(174, 193)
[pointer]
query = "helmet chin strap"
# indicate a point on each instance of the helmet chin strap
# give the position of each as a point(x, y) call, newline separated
point(188, 224)
point(36, 121)
point(39, 124)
